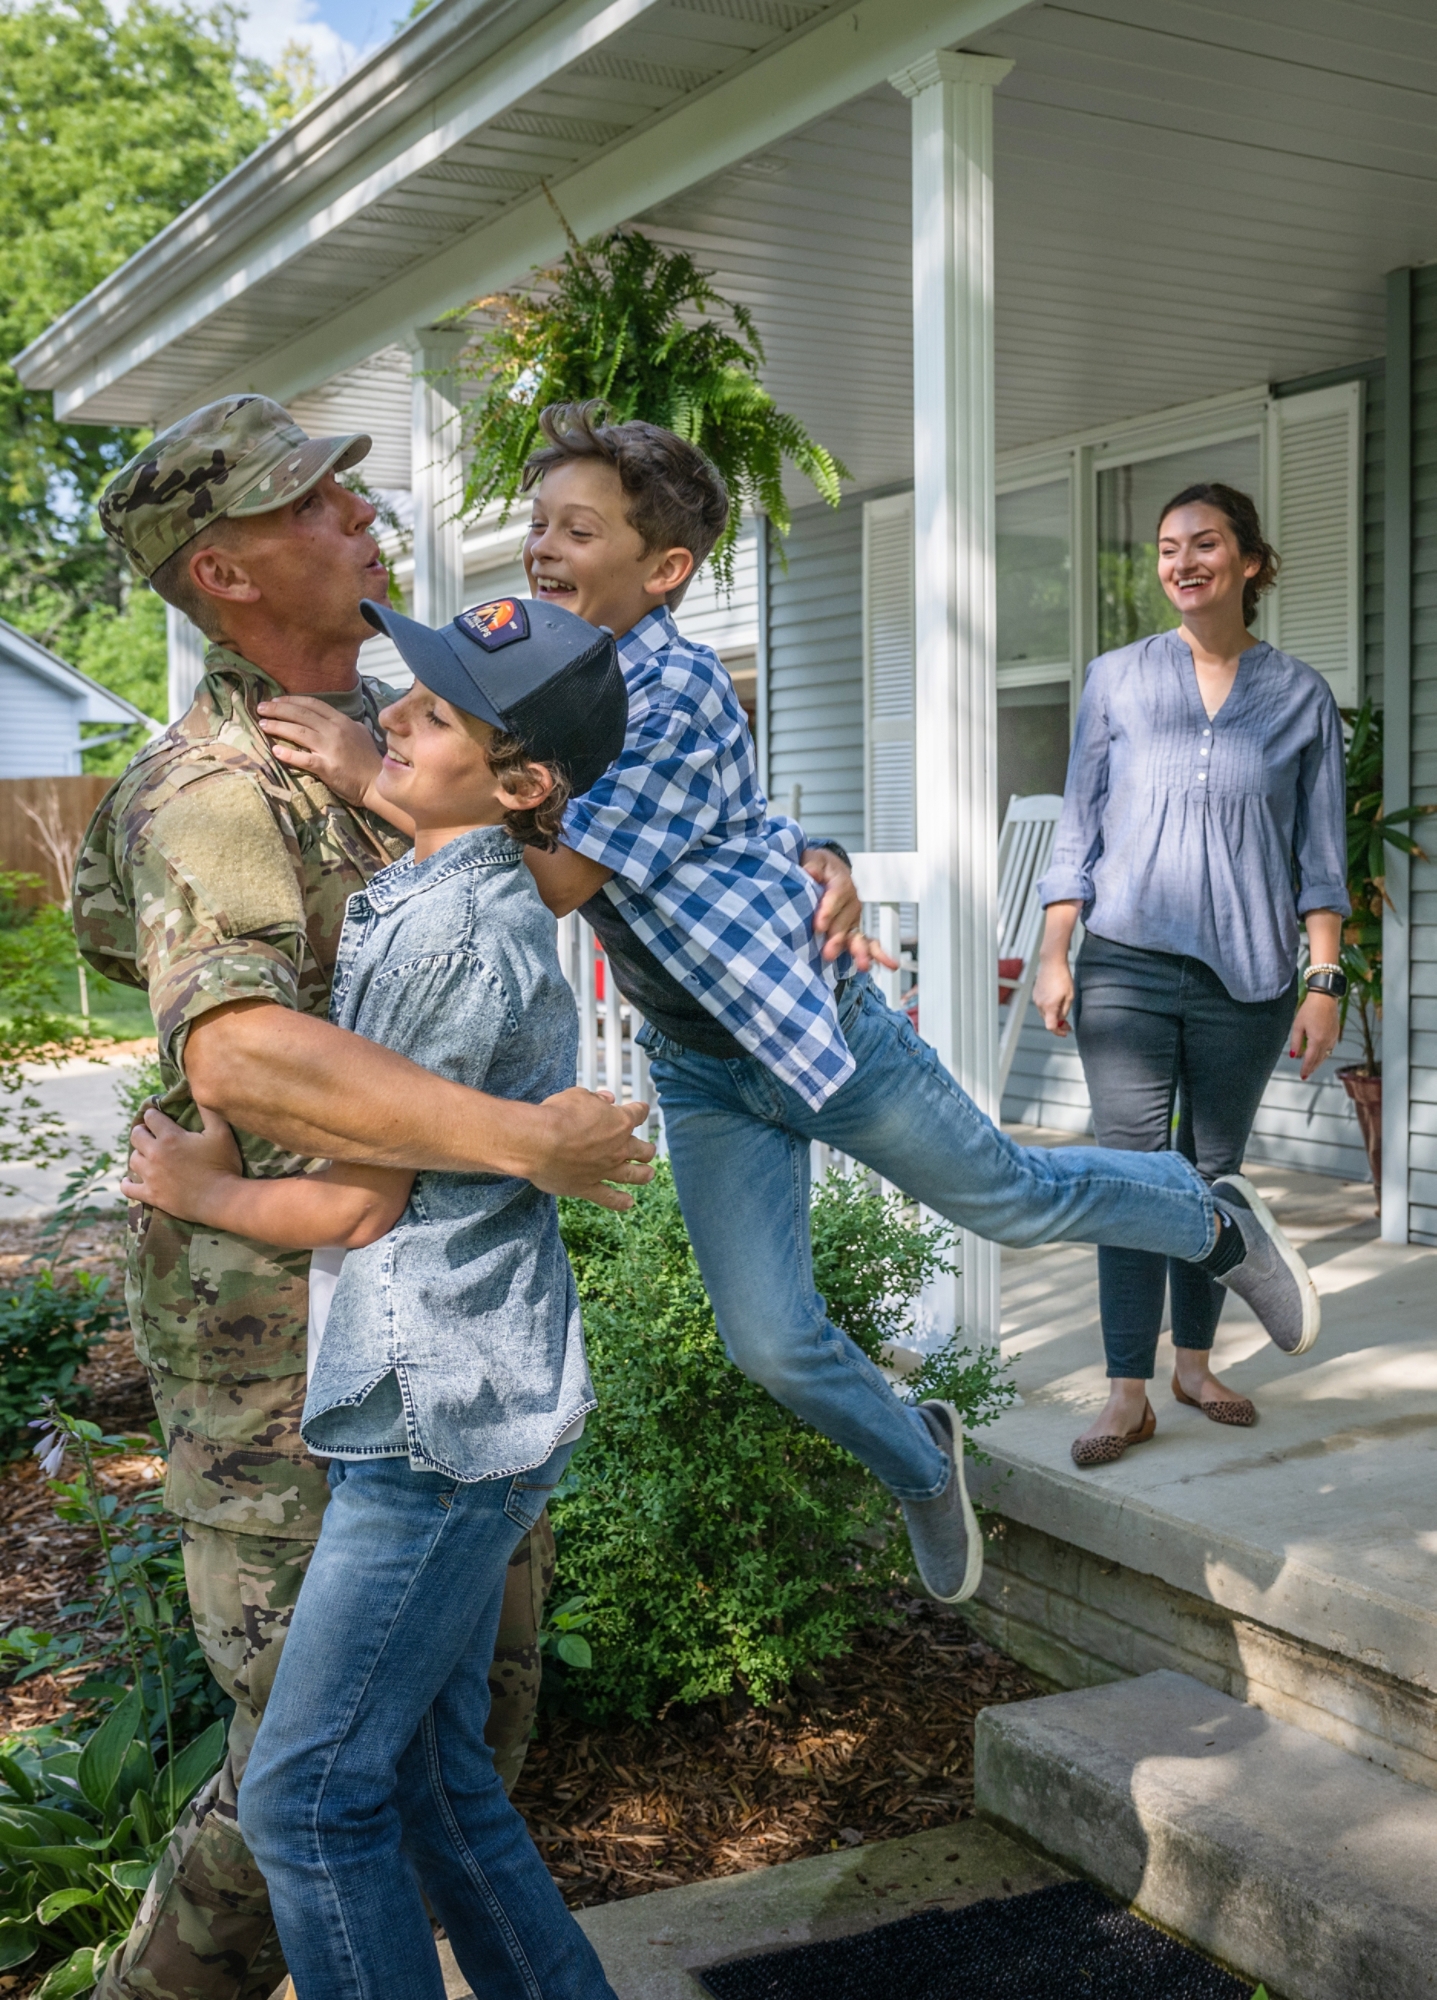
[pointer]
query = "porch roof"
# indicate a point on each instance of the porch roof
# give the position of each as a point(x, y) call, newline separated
point(1189, 199)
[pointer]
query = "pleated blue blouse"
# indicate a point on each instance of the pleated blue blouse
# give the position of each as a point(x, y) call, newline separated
point(1205, 836)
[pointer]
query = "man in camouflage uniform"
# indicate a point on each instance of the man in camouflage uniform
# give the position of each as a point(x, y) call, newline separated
point(215, 875)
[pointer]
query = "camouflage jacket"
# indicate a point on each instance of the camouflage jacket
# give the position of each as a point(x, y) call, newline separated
point(212, 873)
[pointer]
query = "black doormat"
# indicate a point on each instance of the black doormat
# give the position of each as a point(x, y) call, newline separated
point(1064, 1943)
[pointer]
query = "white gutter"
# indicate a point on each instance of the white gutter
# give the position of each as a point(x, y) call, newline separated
point(398, 84)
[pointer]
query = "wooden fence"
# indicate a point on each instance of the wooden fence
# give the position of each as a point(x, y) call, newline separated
point(63, 808)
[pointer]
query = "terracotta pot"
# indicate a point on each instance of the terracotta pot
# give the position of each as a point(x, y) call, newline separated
point(1365, 1090)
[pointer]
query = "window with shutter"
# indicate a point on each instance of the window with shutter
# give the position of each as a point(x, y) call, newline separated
point(1315, 523)
point(888, 674)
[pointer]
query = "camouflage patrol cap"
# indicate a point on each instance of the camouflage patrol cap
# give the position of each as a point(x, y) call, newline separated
point(245, 455)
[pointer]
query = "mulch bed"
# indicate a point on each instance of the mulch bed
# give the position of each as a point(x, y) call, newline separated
point(879, 1745)
point(44, 1563)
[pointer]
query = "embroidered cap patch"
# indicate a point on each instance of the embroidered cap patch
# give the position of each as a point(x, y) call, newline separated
point(495, 624)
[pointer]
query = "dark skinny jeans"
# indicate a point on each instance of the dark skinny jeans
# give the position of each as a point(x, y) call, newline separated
point(1157, 1031)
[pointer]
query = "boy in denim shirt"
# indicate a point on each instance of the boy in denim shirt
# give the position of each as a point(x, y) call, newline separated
point(451, 1384)
point(762, 1036)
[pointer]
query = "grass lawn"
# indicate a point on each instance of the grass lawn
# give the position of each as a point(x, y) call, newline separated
point(117, 1011)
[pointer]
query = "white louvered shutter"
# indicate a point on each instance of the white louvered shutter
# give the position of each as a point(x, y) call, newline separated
point(888, 674)
point(1315, 524)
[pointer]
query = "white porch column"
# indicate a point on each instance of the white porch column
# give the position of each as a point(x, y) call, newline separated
point(185, 647)
point(436, 476)
point(955, 635)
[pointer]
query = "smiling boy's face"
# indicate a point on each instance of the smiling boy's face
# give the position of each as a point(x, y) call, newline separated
point(582, 552)
point(436, 769)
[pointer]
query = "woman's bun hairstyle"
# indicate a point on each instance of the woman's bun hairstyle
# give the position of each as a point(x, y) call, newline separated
point(1241, 516)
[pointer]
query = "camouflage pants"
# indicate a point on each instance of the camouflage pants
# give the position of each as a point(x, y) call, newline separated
point(204, 1930)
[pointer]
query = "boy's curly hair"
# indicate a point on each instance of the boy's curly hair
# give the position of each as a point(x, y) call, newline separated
point(535, 826)
point(673, 495)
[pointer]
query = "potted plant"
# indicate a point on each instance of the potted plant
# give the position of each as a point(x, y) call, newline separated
point(1369, 833)
point(624, 321)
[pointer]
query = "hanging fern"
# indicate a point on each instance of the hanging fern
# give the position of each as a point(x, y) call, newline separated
point(615, 320)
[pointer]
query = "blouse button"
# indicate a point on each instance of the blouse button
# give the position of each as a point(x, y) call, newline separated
point(1202, 753)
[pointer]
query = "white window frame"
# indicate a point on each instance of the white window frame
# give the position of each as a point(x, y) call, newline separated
point(1081, 456)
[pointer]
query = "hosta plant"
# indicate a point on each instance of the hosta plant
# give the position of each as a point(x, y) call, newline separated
point(82, 1828)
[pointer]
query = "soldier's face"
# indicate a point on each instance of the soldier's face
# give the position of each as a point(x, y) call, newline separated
point(301, 571)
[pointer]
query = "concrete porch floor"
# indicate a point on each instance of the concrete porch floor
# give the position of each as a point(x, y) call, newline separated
point(1319, 1524)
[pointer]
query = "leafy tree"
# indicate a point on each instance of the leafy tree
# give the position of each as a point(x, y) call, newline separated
point(615, 320)
point(110, 125)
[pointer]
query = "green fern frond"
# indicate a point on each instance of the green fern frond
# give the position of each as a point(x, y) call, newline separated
point(616, 319)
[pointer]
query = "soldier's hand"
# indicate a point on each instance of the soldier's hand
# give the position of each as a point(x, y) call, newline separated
point(311, 736)
point(177, 1170)
point(585, 1141)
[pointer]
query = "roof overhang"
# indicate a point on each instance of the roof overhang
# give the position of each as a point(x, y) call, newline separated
point(388, 202)
point(96, 703)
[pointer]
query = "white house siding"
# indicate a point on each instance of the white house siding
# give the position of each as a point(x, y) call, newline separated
point(41, 737)
point(727, 620)
point(1422, 1182)
point(815, 670)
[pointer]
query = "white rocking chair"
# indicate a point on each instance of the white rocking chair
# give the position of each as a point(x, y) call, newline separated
point(1025, 846)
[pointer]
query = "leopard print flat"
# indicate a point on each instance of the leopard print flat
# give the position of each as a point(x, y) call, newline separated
point(1107, 1450)
point(1237, 1410)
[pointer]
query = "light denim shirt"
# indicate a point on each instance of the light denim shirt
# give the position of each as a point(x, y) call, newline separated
point(1204, 836)
point(455, 1339)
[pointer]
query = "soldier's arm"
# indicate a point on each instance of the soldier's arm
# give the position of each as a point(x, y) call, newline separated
point(321, 1091)
point(199, 1177)
point(222, 938)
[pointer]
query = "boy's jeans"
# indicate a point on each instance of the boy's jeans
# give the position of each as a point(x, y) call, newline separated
point(739, 1141)
point(370, 1777)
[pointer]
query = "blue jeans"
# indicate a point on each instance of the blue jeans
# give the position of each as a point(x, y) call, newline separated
point(370, 1780)
point(1156, 1030)
point(739, 1141)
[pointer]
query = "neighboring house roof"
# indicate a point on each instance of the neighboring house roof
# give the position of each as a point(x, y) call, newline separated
point(99, 704)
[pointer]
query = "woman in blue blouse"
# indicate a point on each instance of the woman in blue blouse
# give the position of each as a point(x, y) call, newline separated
point(1204, 818)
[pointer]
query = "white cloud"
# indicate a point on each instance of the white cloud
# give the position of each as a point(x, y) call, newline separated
point(270, 24)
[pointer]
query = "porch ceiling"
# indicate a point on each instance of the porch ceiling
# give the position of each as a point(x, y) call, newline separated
point(1190, 198)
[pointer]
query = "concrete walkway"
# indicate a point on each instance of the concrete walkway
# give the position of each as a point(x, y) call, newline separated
point(1321, 1522)
point(83, 1092)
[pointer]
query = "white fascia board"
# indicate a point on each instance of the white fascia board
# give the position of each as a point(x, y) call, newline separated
point(807, 76)
point(98, 703)
point(485, 94)
point(404, 80)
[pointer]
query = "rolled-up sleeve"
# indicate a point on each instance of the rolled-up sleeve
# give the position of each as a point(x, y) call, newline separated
point(1319, 833)
point(219, 913)
point(1079, 839)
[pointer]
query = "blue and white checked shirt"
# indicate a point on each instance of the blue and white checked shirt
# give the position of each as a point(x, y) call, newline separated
point(704, 875)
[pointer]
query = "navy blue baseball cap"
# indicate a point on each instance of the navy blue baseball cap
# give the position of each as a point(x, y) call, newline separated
point(533, 669)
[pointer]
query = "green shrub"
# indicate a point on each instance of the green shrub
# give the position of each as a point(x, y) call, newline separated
point(48, 1327)
point(717, 1541)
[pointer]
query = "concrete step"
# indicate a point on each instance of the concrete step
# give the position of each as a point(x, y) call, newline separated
point(1268, 1847)
point(651, 1946)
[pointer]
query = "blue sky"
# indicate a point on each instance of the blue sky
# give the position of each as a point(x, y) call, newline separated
point(338, 31)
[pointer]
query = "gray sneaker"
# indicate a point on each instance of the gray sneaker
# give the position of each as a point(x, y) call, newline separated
point(1272, 1278)
point(944, 1532)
